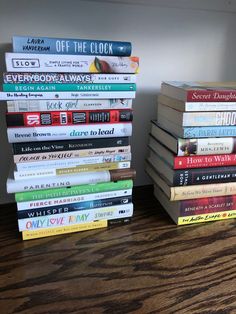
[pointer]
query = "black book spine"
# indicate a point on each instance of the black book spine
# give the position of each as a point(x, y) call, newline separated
point(57, 146)
point(204, 176)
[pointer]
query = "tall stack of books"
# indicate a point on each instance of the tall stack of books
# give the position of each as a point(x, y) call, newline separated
point(192, 151)
point(70, 120)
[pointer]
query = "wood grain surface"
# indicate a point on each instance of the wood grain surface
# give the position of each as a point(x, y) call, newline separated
point(149, 266)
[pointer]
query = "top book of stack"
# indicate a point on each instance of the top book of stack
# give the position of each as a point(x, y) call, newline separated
point(200, 91)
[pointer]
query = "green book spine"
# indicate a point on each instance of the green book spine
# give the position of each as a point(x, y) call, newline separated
point(69, 87)
point(74, 190)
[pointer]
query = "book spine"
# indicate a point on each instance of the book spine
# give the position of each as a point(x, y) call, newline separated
point(73, 191)
point(70, 46)
point(47, 232)
point(204, 161)
point(217, 131)
point(67, 105)
point(66, 219)
point(66, 95)
point(67, 181)
point(41, 204)
point(69, 145)
point(53, 133)
point(70, 154)
point(74, 207)
point(23, 62)
point(69, 87)
point(27, 174)
point(59, 118)
point(207, 217)
point(179, 193)
point(67, 163)
point(65, 78)
point(204, 176)
point(211, 95)
point(207, 205)
point(210, 106)
point(206, 146)
point(209, 118)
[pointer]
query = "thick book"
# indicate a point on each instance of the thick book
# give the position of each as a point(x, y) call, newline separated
point(188, 192)
point(193, 146)
point(35, 44)
point(67, 104)
point(194, 176)
point(182, 105)
point(66, 95)
point(14, 186)
point(73, 207)
point(118, 211)
point(196, 132)
point(98, 87)
point(200, 91)
point(57, 118)
point(201, 210)
point(54, 133)
point(73, 191)
point(183, 119)
point(48, 232)
point(74, 162)
point(186, 162)
point(69, 145)
point(65, 78)
point(53, 171)
point(70, 154)
point(41, 204)
point(26, 62)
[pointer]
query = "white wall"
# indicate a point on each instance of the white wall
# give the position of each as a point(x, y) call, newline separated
point(173, 44)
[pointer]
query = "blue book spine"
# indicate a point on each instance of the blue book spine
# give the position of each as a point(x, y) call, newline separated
point(217, 131)
point(65, 208)
point(70, 46)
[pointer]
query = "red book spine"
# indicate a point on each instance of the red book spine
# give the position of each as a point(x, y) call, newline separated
point(58, 118)
point(211, 95)
point(204, 161)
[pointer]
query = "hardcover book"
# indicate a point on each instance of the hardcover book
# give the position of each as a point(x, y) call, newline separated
point(35, 44)
point(26, 62)
point(200, 91)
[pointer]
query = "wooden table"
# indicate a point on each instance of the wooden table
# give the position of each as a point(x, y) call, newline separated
point(149, 266)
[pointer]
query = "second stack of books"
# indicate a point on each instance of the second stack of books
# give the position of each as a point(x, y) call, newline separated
point(192, 148)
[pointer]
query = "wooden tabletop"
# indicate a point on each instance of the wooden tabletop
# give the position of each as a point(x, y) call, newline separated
point(149, 266)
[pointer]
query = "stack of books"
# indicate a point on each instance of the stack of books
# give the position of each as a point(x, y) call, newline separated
point(69, 120)
point(192, 151)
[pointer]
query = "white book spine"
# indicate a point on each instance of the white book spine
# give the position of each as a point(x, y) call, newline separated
point(210, 106)
point(72, 199)
point(66, 163)
point(209, 118)
point(66, 95)
point(57, 181)
point(81, 216)
point(35, 173)
point(26, 134)
point(24, 62)
point(70, 154)
point(68, 105)
point(64, 78)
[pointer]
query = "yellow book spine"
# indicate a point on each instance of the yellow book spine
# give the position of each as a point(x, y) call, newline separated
point(47, 232)
point(207, 217)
